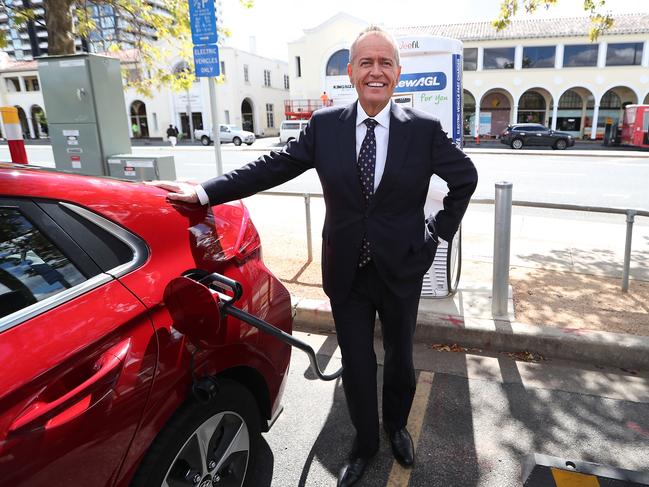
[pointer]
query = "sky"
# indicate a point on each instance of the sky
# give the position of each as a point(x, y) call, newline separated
point(274, 23)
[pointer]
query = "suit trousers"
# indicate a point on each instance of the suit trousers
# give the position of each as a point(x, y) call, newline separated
point(354, 319)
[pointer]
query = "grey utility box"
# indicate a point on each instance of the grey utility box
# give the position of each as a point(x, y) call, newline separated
point(86, 111)
point(141, 167)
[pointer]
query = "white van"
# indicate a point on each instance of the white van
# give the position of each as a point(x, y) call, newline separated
point(290, 130)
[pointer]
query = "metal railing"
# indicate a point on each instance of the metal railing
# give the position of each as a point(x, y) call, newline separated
point(502, 233)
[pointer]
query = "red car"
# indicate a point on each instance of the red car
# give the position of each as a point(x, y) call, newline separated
point(98, 387)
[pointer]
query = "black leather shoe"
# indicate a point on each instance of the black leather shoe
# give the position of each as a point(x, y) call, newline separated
point(352, 471)
point(402, 447)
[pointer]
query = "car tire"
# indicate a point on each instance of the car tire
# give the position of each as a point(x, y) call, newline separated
point(205, 140)
point(230, 418)
point(236, 141)
point(517, 144)
point(560, 144)
point(249, 143)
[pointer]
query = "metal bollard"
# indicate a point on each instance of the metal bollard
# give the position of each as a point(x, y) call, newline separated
point(630, 216)
point(309, 244)
point(502, 238)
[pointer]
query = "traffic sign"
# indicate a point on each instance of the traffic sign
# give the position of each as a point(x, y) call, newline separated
point(203, 21)
point(206, 60)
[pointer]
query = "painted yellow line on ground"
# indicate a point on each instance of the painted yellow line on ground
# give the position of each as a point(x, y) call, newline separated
point(564, 478)
point(399, 476)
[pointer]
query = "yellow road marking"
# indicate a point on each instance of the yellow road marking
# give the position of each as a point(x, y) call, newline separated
point(564, 478)
point(399, 476)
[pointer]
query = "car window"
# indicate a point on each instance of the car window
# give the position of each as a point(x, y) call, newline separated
point(31, 267)
point(291, 126)
point(224, 129)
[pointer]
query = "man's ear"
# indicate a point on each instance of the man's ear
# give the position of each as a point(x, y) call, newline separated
point(349, 73)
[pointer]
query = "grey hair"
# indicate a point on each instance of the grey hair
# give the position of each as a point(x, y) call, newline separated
point(375, 29)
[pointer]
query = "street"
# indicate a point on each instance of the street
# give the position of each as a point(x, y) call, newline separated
point(478, 417)
point(594, 180)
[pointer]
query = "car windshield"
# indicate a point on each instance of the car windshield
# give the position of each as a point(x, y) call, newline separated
point(234, 127)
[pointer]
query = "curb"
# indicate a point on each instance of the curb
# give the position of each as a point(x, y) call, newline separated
point(592, 346)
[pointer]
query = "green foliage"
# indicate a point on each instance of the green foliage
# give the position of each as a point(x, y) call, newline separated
point(152, 61)
point(600, 21)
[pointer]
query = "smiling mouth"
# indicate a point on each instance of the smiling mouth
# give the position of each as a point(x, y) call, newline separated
point(375, 85)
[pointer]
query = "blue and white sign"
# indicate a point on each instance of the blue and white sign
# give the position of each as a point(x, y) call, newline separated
point(206, 61)
point(203, 21)
point(421, 82)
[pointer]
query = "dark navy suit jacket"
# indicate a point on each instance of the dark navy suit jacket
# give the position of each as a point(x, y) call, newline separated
point(402, 244)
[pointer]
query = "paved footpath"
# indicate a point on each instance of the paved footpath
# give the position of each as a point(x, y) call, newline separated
point(474, 419)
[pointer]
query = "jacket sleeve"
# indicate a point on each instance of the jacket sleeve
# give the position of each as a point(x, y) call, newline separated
point(452, 165)
point(266, 172)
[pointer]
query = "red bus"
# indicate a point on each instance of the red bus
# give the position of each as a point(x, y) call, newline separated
point(635, 126)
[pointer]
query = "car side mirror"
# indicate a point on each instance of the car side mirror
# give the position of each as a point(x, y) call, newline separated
point(195, 311)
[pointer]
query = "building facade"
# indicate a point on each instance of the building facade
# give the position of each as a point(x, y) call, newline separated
point(251, 95)
point(542, 70)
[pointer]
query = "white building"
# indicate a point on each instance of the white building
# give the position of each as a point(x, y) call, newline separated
point(251, 95)
point(541, 70)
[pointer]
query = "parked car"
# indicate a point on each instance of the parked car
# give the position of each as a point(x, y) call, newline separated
point(227, 133)
point(520, 135)
point(291, 130)
point(96, 383)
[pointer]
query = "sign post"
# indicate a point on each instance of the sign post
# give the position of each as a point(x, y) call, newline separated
point(202, 17)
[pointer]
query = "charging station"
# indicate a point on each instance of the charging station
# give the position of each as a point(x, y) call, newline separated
point(431, 81)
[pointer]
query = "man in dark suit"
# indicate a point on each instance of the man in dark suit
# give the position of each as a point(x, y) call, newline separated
point(375, 161)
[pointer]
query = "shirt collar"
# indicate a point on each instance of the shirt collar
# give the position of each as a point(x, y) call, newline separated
point(383, 117)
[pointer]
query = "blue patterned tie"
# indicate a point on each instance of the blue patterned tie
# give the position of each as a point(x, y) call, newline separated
point(366, 165)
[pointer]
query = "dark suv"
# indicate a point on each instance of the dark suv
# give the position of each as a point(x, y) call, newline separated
point(534, 134)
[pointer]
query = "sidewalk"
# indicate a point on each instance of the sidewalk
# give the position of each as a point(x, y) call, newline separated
point(565, 275)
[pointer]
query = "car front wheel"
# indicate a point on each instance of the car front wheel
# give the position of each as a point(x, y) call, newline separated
point(211, 443)
point(517, 144)
point(236, 141)
point(205, 140)
point(248, 143)
point(560, 144)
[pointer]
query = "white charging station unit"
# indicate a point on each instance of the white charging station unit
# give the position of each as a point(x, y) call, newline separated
point(431, 80)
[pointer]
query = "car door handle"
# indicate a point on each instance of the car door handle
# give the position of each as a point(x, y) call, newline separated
point(106, 370)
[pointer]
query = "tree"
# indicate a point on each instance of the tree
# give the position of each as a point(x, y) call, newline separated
point(600, 20)
point(157, 35)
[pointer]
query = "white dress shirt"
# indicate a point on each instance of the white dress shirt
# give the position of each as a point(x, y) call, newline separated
point(382, 133)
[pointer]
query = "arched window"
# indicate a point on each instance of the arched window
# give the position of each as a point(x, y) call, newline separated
point(337, 64)
point(610, 100)
point(570, 99)
point(531, 100)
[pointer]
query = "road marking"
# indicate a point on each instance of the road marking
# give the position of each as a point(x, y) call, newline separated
point(399, 476)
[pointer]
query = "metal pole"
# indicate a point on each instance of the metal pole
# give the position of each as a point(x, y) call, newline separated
point(502, 238)
point(216, 136)
point(307, 208)
point(190, 119)
point(630, 215)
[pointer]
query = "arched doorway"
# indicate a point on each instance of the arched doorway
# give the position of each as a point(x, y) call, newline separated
point(611, 106)
point(24, 125)
point(247, 119)
point(495, 112)
point(138, 119)
point(575, 111)
point(39, 122)
point(532, 107)
point(468, 113)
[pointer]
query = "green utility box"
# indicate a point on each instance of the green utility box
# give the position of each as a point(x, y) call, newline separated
point(141, 167)
point(86, 111)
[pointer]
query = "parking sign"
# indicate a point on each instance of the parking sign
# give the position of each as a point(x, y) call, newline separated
point(206, 61)
point(203, 21)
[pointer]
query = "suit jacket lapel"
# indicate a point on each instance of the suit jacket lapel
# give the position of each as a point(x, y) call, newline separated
point(397, 150)
point(347, 149)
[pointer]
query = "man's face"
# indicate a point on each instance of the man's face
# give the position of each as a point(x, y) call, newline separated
point(374, 72)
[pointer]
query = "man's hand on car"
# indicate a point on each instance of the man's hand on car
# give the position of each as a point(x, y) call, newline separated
point(178, 190)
